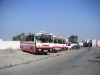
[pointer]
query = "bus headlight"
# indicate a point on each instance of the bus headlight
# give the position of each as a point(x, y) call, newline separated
point(51, 50)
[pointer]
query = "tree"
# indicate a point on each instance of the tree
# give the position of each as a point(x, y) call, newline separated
point(17, 38)
point(73, 38)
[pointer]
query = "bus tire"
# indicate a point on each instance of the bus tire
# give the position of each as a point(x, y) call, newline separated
point(55, 51)
point(45, 53)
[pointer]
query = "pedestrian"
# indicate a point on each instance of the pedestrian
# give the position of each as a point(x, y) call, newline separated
point(89, 47)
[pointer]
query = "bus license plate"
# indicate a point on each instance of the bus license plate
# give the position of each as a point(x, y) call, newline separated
point(45, 50)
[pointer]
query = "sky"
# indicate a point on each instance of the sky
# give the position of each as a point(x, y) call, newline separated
point(60, 17)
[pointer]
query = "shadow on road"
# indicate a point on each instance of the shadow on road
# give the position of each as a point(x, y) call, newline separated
point(94, 61)
point(97, 57)
point(35, 53)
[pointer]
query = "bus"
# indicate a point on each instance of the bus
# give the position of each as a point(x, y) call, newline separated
point(63, 44)
point(56, 44)
point(59, 43)
point(44, 41)
point(68, 45)
point(30, 43)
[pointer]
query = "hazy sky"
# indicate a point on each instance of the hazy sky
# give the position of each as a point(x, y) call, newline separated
point(60, 17)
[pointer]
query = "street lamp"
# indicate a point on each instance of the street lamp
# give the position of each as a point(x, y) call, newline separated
point(44, 24)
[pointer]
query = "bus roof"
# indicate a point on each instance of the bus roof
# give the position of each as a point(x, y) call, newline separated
point(43, 33)
point(27, 35)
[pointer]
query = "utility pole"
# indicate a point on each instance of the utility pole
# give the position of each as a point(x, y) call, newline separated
point(45, 24)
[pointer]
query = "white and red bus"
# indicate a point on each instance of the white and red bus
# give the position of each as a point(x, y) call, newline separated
point(30, 43)
point(56, 44)
point(44, 41)
point(27, 43)
point(68, 45)
point(63, 43)
point(59, 43)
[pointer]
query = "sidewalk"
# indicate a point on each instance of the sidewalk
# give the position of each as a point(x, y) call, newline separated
point(10, 58)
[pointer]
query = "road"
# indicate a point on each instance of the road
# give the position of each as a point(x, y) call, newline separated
point(80, 62)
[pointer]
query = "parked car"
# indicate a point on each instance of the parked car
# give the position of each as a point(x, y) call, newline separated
point(76, 47)
point(85, 44)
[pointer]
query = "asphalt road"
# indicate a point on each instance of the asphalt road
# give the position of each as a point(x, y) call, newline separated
point(80, 62)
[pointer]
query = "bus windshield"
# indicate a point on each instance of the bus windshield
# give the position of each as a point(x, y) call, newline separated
point(45, 38)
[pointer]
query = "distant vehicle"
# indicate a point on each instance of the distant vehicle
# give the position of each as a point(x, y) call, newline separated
point(90, 42)
point(68, 45)
point(75, 47)
point(85, 44)
point(63, 43)
point(56, 46)
point(59, 43)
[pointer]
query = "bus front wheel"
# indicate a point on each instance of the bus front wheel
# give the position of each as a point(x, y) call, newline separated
point(45, 53)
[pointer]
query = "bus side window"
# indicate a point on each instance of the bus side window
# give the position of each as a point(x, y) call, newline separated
point(22, 39)
point(69, 44)
point(32, 39)
point(59, 41)
point(27, 38)
point(64, 42)
point(55, 41)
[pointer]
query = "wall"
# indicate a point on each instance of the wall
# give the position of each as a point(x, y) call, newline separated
point(9, 45)
point(96, 42)
point(93, 42)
